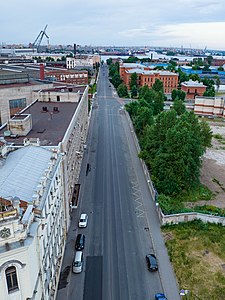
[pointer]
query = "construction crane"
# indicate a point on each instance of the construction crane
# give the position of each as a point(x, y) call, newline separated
point(39, 38)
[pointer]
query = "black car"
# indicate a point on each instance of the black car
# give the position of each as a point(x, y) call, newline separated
point(151, 262)
point(80, 241)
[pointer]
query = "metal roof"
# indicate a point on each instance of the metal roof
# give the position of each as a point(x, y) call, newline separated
point(22, 172)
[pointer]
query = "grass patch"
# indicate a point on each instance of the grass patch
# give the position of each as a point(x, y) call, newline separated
point(197, 193)
point(197, 252)
point(173, 205)
point(218, 136)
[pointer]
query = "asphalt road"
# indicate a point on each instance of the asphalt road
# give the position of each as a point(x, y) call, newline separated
point(123, 225)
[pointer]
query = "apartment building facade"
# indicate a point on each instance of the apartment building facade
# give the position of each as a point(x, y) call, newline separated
point(54, 132)
point(80, 61)
point(69, 76)
point(193, 89)
point(58, 119)
point(148, 77)
point(32, 223)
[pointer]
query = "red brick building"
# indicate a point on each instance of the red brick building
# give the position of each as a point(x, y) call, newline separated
point(218, 62)
point(129, 66)
point(69, 76)
point(193, 89)
point(148, 77)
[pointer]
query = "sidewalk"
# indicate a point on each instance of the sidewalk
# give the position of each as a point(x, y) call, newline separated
point(166, 272)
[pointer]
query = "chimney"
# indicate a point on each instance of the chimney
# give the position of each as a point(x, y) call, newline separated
point(42, 72)
point(75, 49)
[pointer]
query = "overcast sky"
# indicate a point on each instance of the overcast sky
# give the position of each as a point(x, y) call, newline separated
point(172, 23)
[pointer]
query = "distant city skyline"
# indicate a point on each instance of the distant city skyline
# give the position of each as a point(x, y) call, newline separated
point(188, 23)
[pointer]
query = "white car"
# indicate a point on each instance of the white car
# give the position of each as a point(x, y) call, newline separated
point(83, 220)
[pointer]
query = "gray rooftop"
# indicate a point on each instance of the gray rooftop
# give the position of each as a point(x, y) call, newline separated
point(48, 126)
point(151, 72)
point(22, 172)
point(191, 83)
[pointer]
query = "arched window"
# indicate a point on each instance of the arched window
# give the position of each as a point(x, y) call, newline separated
point(11, 278)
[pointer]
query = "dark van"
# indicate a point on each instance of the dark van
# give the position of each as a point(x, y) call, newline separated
point(151, 262)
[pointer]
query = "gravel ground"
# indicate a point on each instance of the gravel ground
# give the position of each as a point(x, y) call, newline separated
point(213, 168)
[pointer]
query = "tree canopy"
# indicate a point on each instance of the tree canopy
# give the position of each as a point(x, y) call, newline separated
point(172, 148)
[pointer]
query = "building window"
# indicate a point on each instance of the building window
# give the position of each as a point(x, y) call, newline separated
point(58, 98)
point(16, 105)
point(11, 279)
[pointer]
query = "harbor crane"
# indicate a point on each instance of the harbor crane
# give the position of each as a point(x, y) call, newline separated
point(39, 38)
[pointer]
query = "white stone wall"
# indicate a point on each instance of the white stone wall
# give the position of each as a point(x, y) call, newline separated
point(52, 234)
point(64, 96)
point(25, 259)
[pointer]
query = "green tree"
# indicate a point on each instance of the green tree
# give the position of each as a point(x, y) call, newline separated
point(143, 91)
point(177, 165)
point(217, 82)
point(131, 59)
point(209, 59)
point(194, 77)
point(116, 80)
point(172, 148)
point(122, 91)
point(178, 94)
point(158, 86)
point(206, 68)
point(109, 61)
point(182, 76)
point(155, 135)
point(196, 67)
point(210, 92)
point(159, 68)
point(134, 91)
point(206, 134)
point(220, 68)
point(133, 80)
point(147, 97)
point(179, 106)
point(132, 108)
point(48, 58)
point(158, 103)
point(112, 70)
point(144, 118)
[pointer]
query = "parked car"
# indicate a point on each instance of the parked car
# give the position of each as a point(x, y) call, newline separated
point(160, 296)
point(151, 262)
point(78, 262)
point(83, 220)
point(80, 242)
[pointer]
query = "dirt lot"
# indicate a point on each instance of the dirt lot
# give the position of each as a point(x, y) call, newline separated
point(213, 168)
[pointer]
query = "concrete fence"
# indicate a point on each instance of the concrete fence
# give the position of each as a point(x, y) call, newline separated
point(186, 217)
